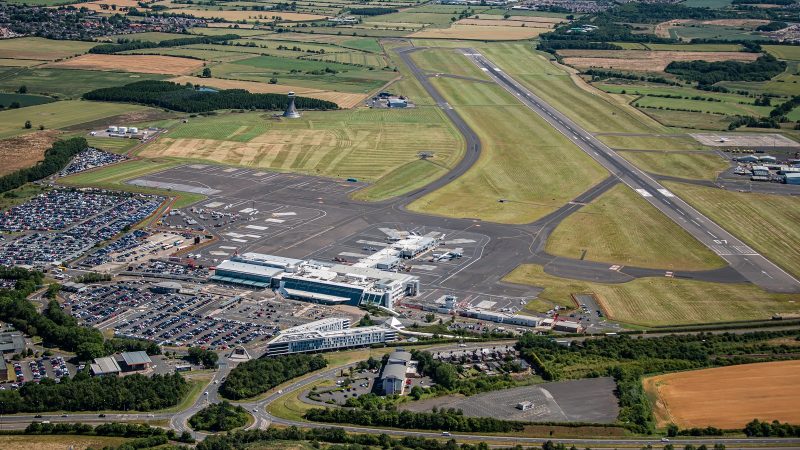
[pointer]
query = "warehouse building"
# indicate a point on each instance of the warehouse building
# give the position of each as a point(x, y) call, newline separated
point(12, 342)
point(327, 334)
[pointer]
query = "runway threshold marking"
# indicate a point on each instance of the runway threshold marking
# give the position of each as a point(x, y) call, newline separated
point(666, 193)
point(644, 193)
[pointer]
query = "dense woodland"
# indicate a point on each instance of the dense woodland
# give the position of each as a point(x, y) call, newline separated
point(704, 72)
point(55, 159)
point(126, 44)
point(373, 11)
point(164, 94)
point(85, 393)
point(219, 417)
point(260, 375)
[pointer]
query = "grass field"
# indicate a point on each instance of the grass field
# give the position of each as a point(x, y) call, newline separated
point(620, 227)
point(714, 32)
point(687, 119)
point(67, 83)
point(660, 301)
point(695, 166)
point(784, 84)
point(112, 145)
point(659, 142)
point(59, 442)
point(727, 397)
point(597, 112)
point(114, 177)
point(41, 49)
point(704, 106)
point(59, 115)
point(765, 222)
point(18, 196)
point(516, 162)
point(784, 51)
point(150, 36)
point(343, 99)
point(167, 65)
point(448, 62)
point(368, 145)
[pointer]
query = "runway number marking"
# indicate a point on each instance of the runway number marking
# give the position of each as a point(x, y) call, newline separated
point(666, 193)
point(721, 241)
point(644, 193)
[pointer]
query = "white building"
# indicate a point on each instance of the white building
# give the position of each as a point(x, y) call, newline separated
point(327, 334)
point(499, 317)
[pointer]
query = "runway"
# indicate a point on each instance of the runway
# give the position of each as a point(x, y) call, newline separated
point(743, 259)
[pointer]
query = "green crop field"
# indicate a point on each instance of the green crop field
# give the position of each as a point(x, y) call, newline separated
point(115, 176)
point(768, 223)
point(365, 44)
point(42, 49)
point(207, 31)
point(23, 99)
point(66, 82)
point(713, 4)
point(695, 166)
point(621, 227)
point(597, 112)
point(791, 52)
point(150, 36)
point(359, 58)
point(59, 115)
point(370, 145)
point(517, 162)
point(714, 32)
point(660, 89)
point(660, 301)
point(113, 145)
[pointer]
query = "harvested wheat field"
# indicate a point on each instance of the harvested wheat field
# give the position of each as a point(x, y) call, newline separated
point(504, 23)
point(727, 397)
point(250, 15)
point(169, 65)
point(121, 5)
point(479, 32)
point(343, 99)
point(24, 151)
point(28, 442)
point(746, 23)
point(644, 60)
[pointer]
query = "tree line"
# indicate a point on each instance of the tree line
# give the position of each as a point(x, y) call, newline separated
point(450, 420)
point(374, 11)
point(126, 44)
point(705, 72)
point(164, 94)
point(113, 429)
point(260, 375)
point(85, 393)
point(55, 159)
point(447, 380)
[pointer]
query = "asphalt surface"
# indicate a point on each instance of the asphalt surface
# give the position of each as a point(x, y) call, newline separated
point(750, 264)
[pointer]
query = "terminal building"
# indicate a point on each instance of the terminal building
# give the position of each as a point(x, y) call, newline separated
point(327, 334)
point(368, 282)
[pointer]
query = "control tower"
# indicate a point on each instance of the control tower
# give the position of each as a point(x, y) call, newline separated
point(291, 111)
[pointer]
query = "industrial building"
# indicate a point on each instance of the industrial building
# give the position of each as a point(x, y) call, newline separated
point(395, 371)
point(12, 342)
point(106, 366)
point(499, 317)
point(367, 282)
point(327, 334)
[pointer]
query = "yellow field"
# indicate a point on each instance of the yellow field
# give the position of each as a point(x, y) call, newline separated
point(343, 99)
point(728, 397)
point(36, 48)
point(644, 60)
point(251, 16)
point(482, 33)
point(169, 65)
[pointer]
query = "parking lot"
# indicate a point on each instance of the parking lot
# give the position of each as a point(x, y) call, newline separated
point(37, 369)
point(90, 159)
point(208, 316)
point(135, 247)
point(61, 225)
point(589, 400)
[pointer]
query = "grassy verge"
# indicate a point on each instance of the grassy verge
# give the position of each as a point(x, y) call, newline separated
point(20, 195)
point(654, 142)
point(663, 301)
point(768, 223)
point(695, 166)
point(290, 406)
point(620, 227)
point(115, 176)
